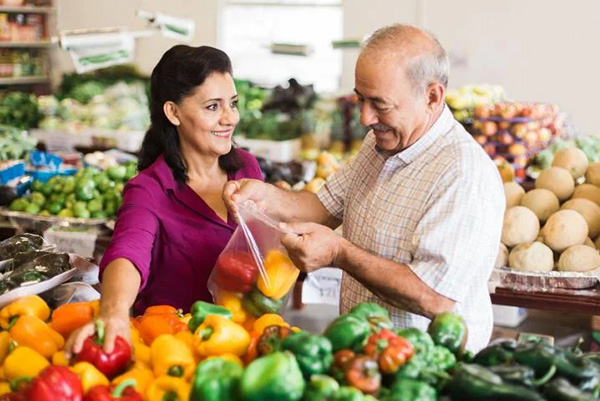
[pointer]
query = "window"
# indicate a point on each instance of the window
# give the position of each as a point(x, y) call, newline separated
point(247, 28)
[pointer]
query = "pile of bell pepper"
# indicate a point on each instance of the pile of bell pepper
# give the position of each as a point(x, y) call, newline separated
point(212, 354)
point(238, 284)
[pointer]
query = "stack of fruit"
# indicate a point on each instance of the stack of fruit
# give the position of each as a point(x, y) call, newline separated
point(566, 205)
point(463, 101)
point(516, 131)
point(91, 193)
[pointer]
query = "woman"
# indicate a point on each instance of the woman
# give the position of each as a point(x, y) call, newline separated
point(173, 223)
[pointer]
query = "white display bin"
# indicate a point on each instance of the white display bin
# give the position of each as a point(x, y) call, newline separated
point(277, 151)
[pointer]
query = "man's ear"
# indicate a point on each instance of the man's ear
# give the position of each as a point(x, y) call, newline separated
point(171, 111)
point(435, 95)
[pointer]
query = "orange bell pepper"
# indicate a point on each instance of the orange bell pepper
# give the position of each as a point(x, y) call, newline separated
point(142, 375)
point(281, 275)
point(30, 331)
point(159, 320)
point(270, 319)
point(31, 305)
point(252, 352)
point(69, 317)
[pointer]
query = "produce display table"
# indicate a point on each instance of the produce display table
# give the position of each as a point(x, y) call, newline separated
point(558, 300)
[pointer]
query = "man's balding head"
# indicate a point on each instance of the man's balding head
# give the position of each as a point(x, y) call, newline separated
point(422, 55)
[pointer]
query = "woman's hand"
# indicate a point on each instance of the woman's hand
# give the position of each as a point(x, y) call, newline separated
point(114, 325)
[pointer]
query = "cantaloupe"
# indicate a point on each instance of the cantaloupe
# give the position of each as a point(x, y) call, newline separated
point(542, 202)
point(520, 225)
point(592, 175)
point(502, 258)
point(579, 258)
point(531, 256)
point(590, 212)
point(514, 193)
point(587, 191)
point(564, 229)
point(573, 160)
point(557, 180)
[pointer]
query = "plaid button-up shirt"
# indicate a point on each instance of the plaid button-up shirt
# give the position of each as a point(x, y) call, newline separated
point(438, 207)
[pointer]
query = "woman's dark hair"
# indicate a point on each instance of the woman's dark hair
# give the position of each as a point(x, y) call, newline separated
point(180, 70)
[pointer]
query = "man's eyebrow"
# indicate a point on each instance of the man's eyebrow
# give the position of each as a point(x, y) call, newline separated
point(373, 98)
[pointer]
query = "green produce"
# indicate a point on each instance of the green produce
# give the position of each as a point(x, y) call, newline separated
point(497, 354)
point(19, 110)
point(32, 208)
point(117, 173)
point(14, 143)
point(200, 310)
point(449, 330)
point(320, 388)
point(38, 198)
point(522, 375)
point(346, 393)
point(348, 331)
point(405, 389)
point(313, 352)
point(216, 380)
point(561, 390)
point(276, 376)
point(420, 340)
point(442, 358)
point(259, 304)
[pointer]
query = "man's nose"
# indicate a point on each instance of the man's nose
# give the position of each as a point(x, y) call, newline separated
point(368, 116)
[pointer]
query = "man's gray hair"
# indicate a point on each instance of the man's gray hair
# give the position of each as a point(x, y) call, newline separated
point(430, 65)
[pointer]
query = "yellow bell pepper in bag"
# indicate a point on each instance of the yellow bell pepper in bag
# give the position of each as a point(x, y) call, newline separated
point(23, 362)
point(171, 356)
point(218, 335)
point(31, 305)
point(281, 275)
point(168, 388)
point(33, 332)
point(233, 302)
point(142, 375)
point(89, 375)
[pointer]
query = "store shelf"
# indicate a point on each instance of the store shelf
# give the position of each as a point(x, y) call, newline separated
point(24, 80)
point(36, 44)
point(27, 9)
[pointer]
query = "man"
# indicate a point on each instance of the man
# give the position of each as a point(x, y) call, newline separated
point(421, 204)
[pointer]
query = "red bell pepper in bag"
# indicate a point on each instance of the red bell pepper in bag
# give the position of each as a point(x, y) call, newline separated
point(236, 272)
point(111, 364)
point(125, 391)
point(55, 383)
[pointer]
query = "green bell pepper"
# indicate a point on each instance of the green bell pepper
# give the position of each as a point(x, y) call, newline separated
point(320, 388)
point(475, 382)
point(377, 316)
point(420, 340)
point(313, 352)
point(500, 353)
point(562, 390)
point(276, 376)
point(216, 380)
point(405, 389)
point(442, 358)
point(348, 332)
point(200, 310)
point(346, 393)
point(449, 330)
point(541, 357)
point(258, 304)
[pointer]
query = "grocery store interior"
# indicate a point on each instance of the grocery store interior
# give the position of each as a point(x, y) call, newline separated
point(108, 227)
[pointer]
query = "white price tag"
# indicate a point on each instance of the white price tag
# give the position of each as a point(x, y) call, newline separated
point(82, 243)
point(322, 287)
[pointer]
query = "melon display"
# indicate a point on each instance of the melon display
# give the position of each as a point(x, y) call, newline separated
point(579, 258)
point(557, 180)
point(531, 256)
point(520, 225)
point(587, 191)
point(514, 194)
point(564, 229)
point(574, 160)
point(590, 212)
point(542, 202)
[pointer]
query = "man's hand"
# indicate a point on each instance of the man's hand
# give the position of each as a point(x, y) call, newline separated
point(312, 247)
point(235, 192)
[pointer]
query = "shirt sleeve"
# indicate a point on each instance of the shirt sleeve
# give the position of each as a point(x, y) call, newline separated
point(135, 231)
point(456, 241)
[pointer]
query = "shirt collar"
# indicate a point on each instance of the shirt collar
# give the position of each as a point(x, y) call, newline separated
point(442, 125)
point(163, 174)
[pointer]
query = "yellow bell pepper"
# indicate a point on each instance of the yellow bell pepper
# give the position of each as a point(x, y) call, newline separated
point(31, 305)
point(141, 354)
point(186, 318)
point(141, 374)
point(281, 275)
point(4, 345)
point(233, 302)
point(89, 375)
point(4, 388)
point(269, 319)
point(171, 356)
point(168, 388)
point(60, 359)
point(33, 332)
point(23, 362)
point(135, 334)
point(218, 335)
point(228, 357)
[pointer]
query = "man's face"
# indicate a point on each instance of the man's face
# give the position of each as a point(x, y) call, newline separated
point(389, 104)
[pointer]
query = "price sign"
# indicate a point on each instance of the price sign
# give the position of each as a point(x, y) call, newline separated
point(322, 287)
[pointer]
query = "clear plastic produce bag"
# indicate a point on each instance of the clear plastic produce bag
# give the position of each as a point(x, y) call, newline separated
point(254, 269)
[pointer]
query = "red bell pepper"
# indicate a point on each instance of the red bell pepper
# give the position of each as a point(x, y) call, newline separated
point(18, 396)
point(125, 391)
point(236, 272)
point(110, 364)
point(55, 383)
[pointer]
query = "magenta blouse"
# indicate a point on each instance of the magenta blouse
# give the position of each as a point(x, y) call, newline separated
point(171, 236)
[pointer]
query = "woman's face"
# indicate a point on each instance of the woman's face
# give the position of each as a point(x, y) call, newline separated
point(208, 116)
